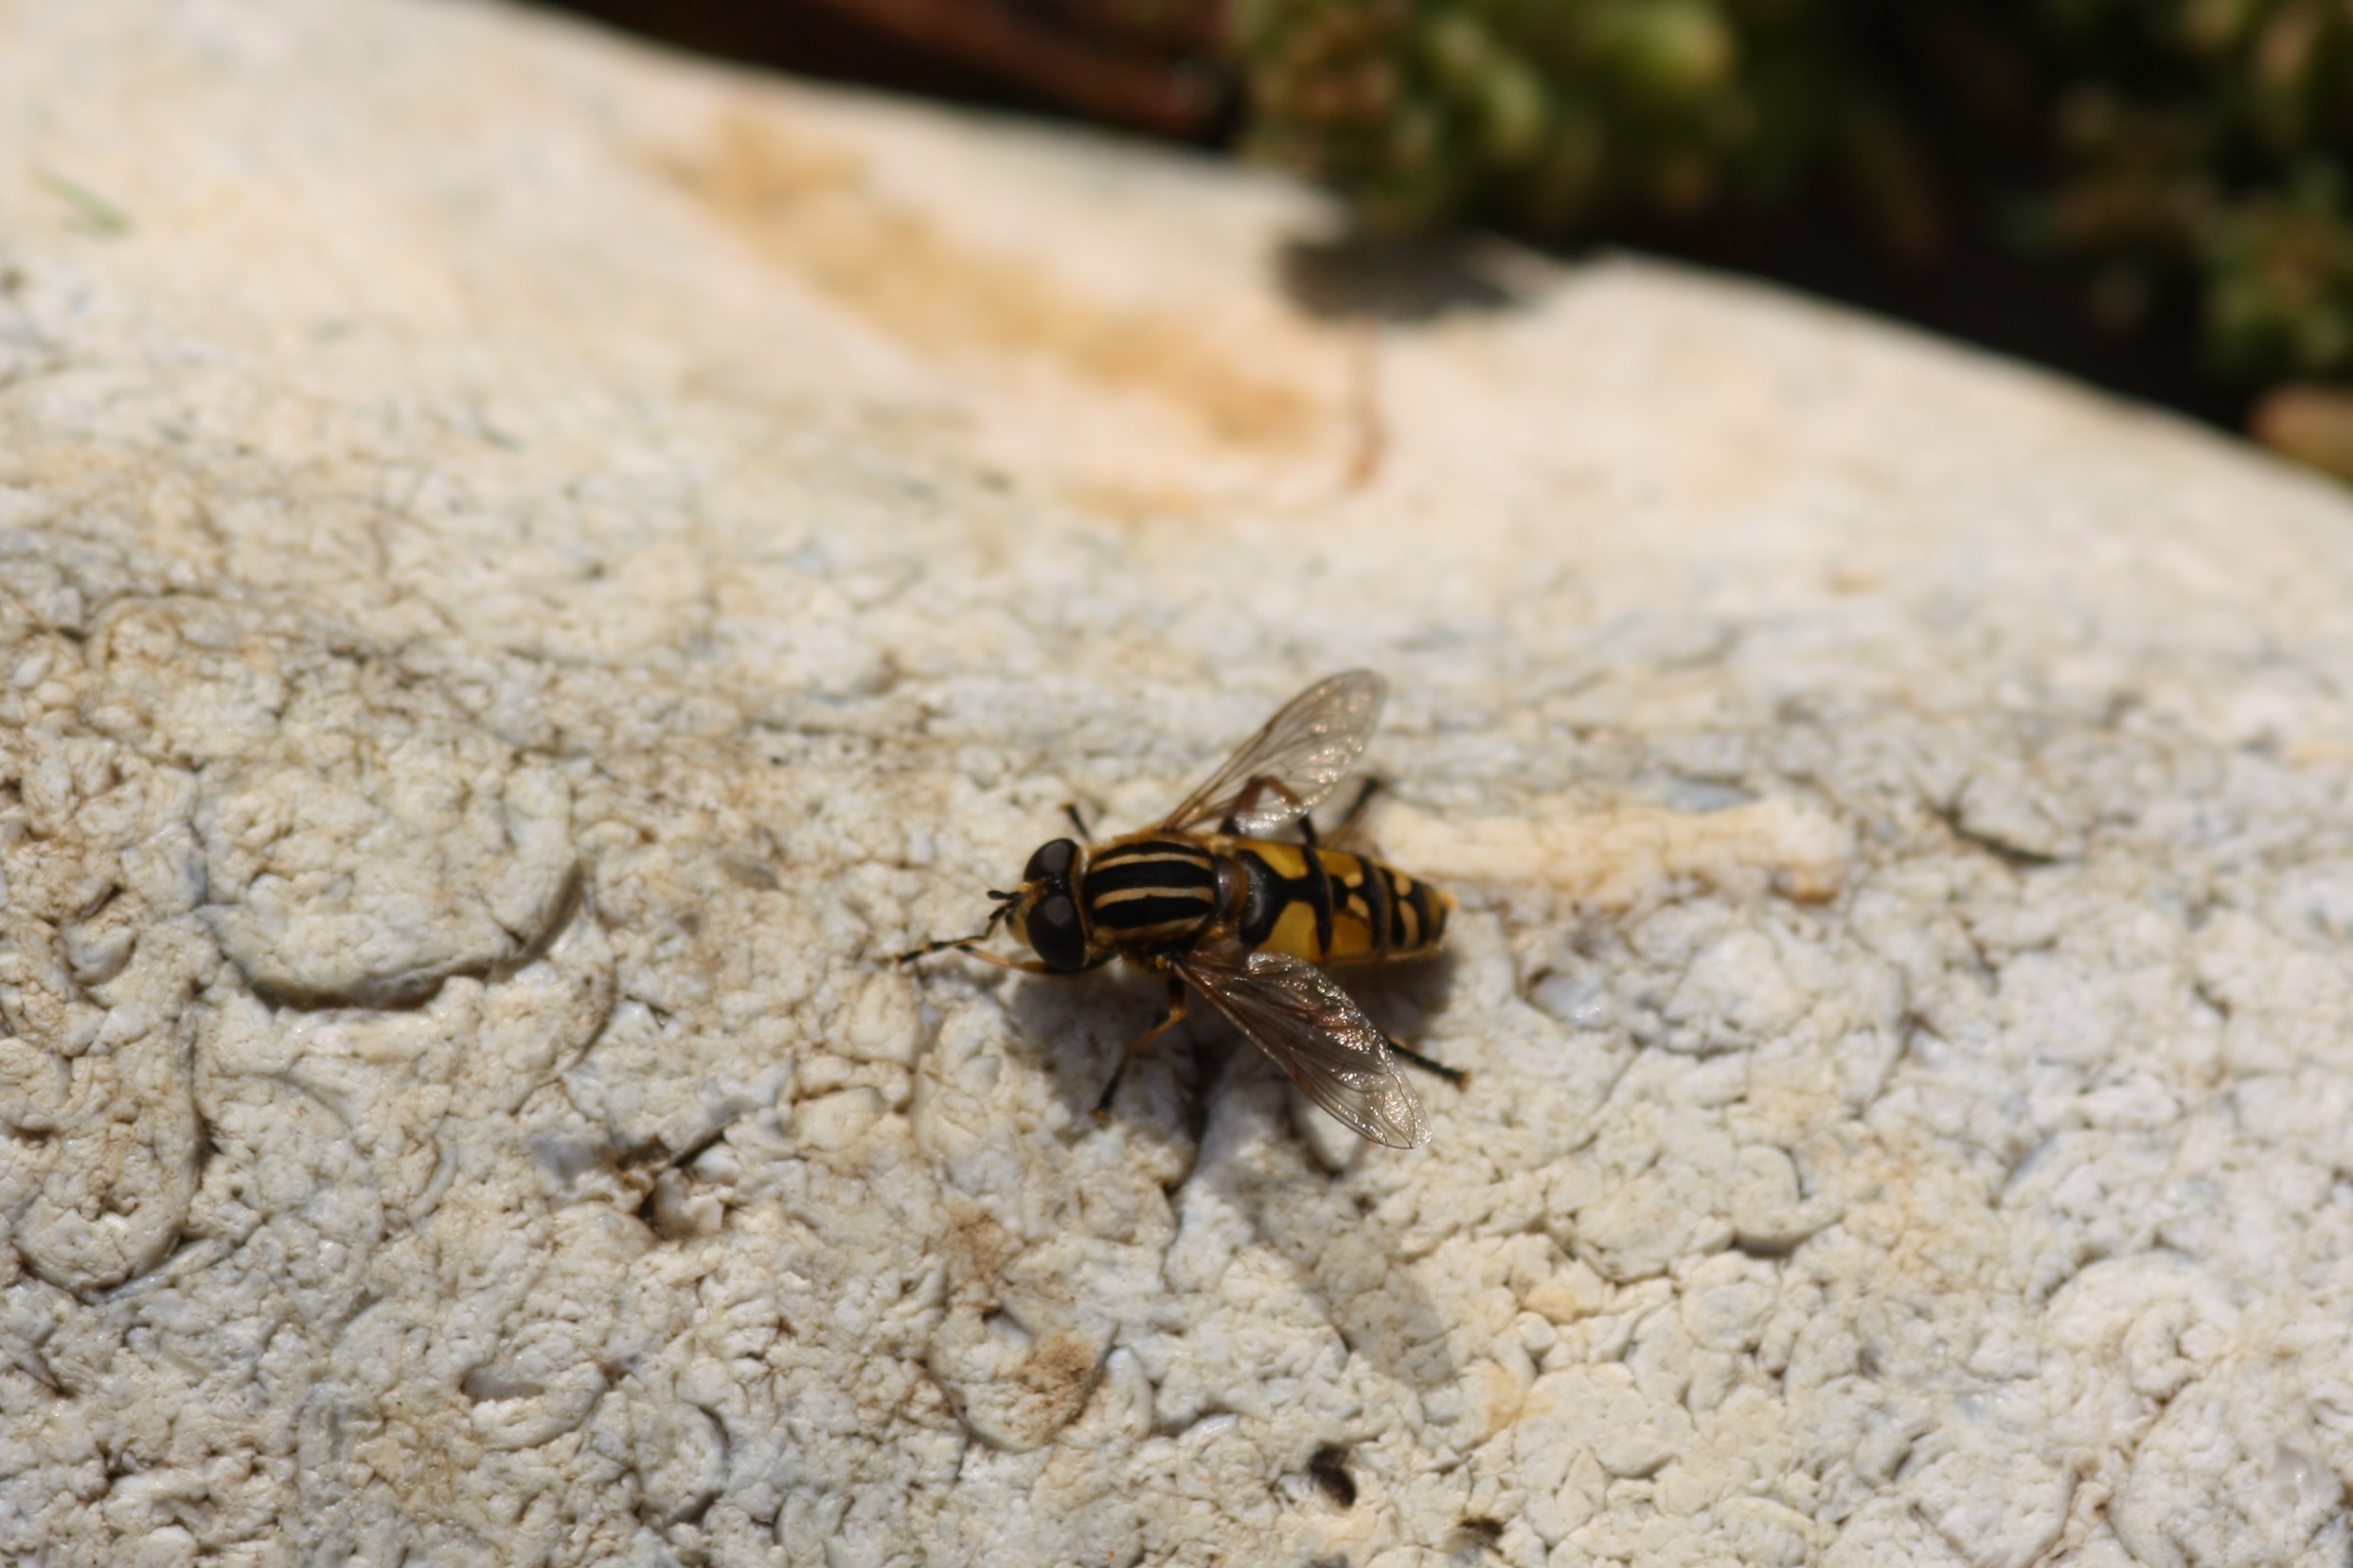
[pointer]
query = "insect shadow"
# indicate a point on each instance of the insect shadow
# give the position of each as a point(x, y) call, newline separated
point(1317, 1220)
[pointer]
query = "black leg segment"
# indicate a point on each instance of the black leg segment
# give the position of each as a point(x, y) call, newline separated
point(1456, 1076)
point(1351, 818)
point(1178, 999)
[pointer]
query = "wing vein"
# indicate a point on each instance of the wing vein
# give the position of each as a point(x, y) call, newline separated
point(1286, 770)
point(1314, 1032)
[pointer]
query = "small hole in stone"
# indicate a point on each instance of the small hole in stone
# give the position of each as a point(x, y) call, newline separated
point(491, 1382)
point(1479, 1533)
point(1328, 1468)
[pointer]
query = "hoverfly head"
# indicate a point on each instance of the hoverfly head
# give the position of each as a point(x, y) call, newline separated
point(1045, 912)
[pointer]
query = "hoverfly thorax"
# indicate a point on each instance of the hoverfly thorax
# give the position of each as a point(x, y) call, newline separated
point(1045, 913)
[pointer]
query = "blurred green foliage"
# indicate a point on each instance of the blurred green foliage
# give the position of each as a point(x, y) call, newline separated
point(2208, 145)
point(2183, 150)
point(1556, 114)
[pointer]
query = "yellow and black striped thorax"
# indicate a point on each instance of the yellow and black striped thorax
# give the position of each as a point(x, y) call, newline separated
point(1151, 889)
point(1327, 906)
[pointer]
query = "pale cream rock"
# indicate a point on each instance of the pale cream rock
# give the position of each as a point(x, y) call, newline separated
point(530, 568)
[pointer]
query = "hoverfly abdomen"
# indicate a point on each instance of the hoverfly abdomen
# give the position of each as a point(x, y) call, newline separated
point(1327, 906)
point(1417, 914)
point(1150, 890)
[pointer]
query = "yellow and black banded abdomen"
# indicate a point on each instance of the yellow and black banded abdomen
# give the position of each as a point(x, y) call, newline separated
point(1327, 906)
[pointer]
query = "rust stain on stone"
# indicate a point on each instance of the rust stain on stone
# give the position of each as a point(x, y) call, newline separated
point(807, 208)
point(1056, 1380)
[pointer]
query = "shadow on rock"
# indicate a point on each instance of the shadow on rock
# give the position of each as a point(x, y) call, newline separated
point(1353, 276)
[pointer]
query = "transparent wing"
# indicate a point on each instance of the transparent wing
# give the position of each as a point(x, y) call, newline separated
point(1283, 771)
point(1317, 1035)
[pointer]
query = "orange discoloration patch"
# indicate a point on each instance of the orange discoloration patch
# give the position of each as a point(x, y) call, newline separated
point(809, 209)
point(1616, 859)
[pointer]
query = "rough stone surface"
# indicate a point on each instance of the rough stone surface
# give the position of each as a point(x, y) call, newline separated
point(527, 568)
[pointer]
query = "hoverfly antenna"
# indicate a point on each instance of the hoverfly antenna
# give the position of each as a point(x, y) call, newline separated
point(997, 916)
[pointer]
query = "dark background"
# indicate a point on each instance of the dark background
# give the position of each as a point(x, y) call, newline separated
point(1975, 288)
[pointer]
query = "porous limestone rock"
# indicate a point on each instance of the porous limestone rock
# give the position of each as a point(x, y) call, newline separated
point(529, 568)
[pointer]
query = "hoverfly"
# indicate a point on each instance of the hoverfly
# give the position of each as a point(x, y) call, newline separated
point(1241, 917)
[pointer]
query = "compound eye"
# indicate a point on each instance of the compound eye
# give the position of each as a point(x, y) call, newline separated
point(1052, 863)
point(1053, 929)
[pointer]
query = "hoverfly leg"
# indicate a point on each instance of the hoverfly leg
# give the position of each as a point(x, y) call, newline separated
point(1350, 820)
point(1247, 801)
point(1178, 1001)
point(1458, 1076)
